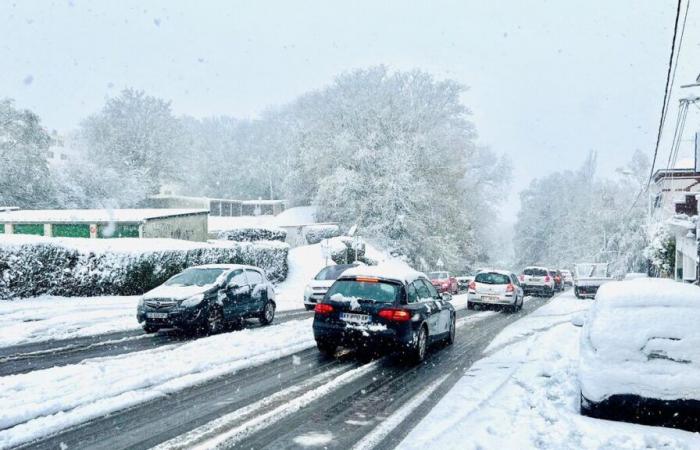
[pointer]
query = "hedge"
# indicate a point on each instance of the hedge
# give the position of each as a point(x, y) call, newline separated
point(252, 234)
point(31, 266)
point(316, 233)
point(342, 251)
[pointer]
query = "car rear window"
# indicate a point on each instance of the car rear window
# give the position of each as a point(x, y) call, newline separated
point(535, 272)
point(378, 292)
point(492, 278)
point(332, 272)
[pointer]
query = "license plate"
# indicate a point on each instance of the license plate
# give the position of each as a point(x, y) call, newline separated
point(489, 298)
point(157, 315)
point(536, 279)
point(354, 318)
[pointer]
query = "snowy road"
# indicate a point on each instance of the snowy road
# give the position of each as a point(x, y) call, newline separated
point(293, 399)
point(41, 355)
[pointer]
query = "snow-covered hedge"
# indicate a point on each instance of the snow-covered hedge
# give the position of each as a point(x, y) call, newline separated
point(252, 234)
point(316, 233)
point(31, 266)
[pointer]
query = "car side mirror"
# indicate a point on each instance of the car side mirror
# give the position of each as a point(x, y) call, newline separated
point(233, 285)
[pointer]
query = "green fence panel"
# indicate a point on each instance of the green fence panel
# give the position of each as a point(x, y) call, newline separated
point(2, 228)
point(29, 228)
point(81, 230)
point(119, 230)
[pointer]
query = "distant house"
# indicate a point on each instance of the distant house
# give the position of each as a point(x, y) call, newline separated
point(674, 200)
point(218, 206)
point(186, 224)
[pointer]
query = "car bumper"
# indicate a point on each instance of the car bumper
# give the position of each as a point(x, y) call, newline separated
point(537, 289)
point(363, 336)
point(587, 291)
point(494, 300)
point(680, 413)
point(178, 318)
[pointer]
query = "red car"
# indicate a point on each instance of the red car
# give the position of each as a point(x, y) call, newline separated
point(443, 282)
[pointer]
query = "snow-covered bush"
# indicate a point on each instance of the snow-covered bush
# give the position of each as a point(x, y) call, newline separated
point(252, 234)
point(661, 250)
point(31, 266)
point(342, 251)
point(316, 233)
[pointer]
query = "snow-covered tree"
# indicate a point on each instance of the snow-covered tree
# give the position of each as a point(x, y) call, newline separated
point(137, 136)
point(24, 173)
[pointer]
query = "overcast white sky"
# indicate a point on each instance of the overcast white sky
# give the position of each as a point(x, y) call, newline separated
point(548, 80)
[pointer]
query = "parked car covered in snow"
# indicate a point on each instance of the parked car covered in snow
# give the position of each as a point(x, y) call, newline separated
point(444, 282)
point(208, 298)
point(537, 281)
point(640, 354)
point(496, 287)
point(317, 288)
point(383, 308)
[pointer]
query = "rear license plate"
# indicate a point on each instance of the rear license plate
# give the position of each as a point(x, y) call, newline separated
point(489, 298)
point(536, 279)
point(157, 315)
point(354, 318)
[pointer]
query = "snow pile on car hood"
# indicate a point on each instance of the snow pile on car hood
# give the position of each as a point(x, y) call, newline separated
point(641, 337)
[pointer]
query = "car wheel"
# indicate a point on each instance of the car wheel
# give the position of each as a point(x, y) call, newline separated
point(268, 314)
point(453, 331)
point(215, 320)
point(309, 307)
point(326, 348)
point(150, 329)
point(420, 347)
point(470, 305)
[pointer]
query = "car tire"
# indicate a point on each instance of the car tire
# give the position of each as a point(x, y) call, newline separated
point(453, 331)
point(267, 315)
point(309, 307)
point(326, 348)
point(215, 320)
point(470, 305)
point(417, 353)
point(150, 329)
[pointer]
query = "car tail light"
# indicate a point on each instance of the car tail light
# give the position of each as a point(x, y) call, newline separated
point(323, 308)
point(522, 277)
point(547, 279)
point(472, 286)
point(510, 288)
point(395, 315)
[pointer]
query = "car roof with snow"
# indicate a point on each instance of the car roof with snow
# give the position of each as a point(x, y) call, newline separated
point(536, 267)
point(646, 292)
point(499, 271)
point(393, 272)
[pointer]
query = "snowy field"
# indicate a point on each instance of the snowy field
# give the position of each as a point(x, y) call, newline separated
point(45, 401)
point(52, 318)
point(524, 394)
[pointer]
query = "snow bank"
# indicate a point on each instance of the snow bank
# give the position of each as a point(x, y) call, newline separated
point(46, 401)
point(304, 263)
point(223, 223)
point(525, 394)
point(53, 318)
point(641, 337)
point(297, 216)
point(34, 265)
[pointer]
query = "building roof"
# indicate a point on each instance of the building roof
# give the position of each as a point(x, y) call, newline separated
point(92, 215)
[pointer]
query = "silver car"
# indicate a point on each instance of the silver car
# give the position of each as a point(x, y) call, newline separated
point(496, 287)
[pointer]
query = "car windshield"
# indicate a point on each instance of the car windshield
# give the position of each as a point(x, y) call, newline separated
point(534, 272)
point(378, 292)
point(492, 278)
point(195, 277)
point(332, 272)
point(592, 270)
point(438, 275)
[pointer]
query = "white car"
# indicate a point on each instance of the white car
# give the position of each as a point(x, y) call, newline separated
point(537, 281)
point(568, 277)
point(640, 353)
point(496, 287)
point(317, 288)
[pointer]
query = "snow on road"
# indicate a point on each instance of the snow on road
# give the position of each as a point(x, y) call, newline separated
point(46, 401)
point(51, 318)
point(524, 394)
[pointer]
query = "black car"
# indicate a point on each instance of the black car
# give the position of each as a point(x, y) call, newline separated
point(370, 308)
point(208, 298)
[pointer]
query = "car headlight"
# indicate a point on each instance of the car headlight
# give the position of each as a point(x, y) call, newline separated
point(307, 292)
point(192, 301)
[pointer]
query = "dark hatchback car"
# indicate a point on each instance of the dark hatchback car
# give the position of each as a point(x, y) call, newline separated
point(375, 309)
point(208, 298)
